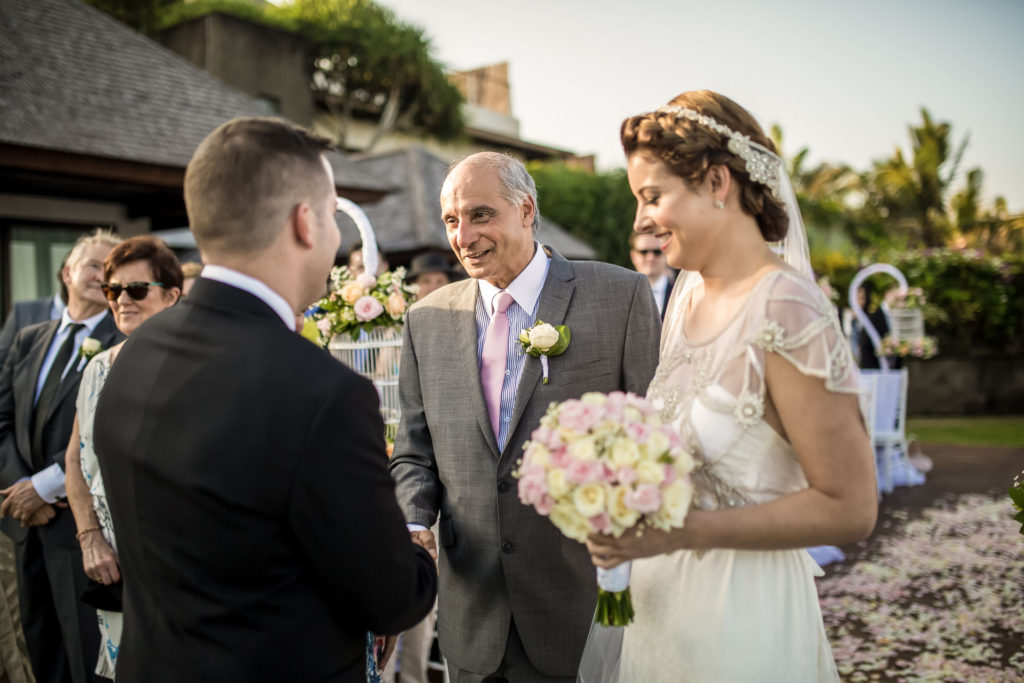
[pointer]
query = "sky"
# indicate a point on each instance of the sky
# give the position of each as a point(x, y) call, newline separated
point(844, 79)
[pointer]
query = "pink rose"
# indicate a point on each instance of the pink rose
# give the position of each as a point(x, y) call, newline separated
point(560, 457)
point(645, 498)
point(638, 431)
point(366, 280)
point(601, 523)
point(532, 489)
point(547, 438)
point(670, 475)
point(607, 473)
point(324, 325)
point(577, 416)
point(367, 308)
point(544, 505)
point(626, 475)
point(583, 472)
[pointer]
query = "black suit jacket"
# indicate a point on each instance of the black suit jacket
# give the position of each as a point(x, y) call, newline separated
point(256, 521)
point(18, 381)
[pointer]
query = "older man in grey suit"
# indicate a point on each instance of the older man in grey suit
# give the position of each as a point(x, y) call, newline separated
point(516, 598)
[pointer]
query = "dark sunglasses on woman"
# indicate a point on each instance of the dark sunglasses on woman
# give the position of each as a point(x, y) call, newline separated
point(136, 290)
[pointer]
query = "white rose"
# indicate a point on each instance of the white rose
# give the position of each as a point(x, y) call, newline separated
point(648, 472)
point(539, 455)
point(617, 509)
point(675, 501)
point(90, 346)
point(684, 463)
point(595, 398)
point(589, 499)
point(583, 449)
point(571, 523)
point(543, 336)
point(624, 452)
point(557, 485)
point(632, 414)
point(657, 444)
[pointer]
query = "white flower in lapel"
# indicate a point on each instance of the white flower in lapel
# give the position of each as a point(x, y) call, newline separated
point(543, 340)
point(90, 347)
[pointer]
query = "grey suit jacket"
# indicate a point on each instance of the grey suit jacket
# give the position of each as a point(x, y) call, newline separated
point(500, 560)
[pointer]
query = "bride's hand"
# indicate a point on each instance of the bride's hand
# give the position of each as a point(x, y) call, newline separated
point(607, 551)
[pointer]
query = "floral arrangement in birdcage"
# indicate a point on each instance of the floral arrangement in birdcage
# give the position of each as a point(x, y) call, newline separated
point(356, 303)
point(910, 298)
point(921, 347)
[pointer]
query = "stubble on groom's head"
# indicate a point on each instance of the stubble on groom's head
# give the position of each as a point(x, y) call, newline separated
point(246, 178)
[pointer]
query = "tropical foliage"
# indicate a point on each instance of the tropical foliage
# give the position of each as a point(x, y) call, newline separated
point(365, 63)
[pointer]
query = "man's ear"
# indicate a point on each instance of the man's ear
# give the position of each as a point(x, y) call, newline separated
point(303, 224)
point(65, 275)
point(529, 210)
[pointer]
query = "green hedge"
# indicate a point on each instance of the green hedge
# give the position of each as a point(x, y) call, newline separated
point(976, 302)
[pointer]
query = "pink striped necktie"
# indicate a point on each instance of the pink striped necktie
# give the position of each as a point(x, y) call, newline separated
point(492, 361)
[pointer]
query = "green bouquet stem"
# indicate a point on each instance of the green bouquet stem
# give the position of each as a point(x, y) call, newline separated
point(614, 609)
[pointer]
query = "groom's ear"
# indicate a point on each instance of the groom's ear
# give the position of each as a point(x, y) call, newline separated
point(301, 224)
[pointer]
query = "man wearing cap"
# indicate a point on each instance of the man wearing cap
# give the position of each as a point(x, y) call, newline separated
point(430, 271)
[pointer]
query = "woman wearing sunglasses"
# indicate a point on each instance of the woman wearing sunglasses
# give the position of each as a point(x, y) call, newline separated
point(141, 278)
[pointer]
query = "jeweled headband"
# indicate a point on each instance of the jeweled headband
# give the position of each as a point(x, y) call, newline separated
point(762, 164)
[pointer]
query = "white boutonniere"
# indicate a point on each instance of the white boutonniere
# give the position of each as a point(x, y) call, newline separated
point(543, 340)
point(90, 347)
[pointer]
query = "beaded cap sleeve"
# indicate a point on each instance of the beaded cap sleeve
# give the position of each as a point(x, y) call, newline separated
point(714, 390)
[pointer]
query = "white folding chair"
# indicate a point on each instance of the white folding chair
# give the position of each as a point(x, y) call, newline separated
point(888, 389)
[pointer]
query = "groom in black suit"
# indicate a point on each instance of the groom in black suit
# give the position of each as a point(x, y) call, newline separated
point(245, 468)
point(38, 389)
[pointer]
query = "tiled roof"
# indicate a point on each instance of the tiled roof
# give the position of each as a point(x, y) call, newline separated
point(74, 79)
point(409, 218)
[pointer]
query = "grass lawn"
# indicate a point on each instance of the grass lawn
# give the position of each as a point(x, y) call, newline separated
point(968, 431)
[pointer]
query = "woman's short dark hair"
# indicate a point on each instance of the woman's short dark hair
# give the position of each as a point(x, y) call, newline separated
point(152, 250)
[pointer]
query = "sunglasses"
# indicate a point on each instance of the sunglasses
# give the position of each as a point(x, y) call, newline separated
point(136, 290)
point(649, 252)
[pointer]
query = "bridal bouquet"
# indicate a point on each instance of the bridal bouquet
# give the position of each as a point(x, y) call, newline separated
point(361, 302)
point(606, 464)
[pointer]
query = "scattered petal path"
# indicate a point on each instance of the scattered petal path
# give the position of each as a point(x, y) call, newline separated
point(936, 596)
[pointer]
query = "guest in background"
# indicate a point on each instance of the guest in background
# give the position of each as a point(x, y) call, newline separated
point(191, 270)
point(430, 271)
point(647, 257)
point(141, 277)
point(38, 387)
point(875, 311)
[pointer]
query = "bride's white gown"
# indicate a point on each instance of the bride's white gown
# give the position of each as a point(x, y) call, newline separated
point(737, 615)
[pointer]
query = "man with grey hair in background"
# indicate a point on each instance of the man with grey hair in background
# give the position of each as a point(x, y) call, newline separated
point(516, 598)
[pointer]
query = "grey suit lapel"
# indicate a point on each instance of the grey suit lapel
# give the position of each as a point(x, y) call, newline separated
point(25, 387)
point(463, 310)
point(552, 308)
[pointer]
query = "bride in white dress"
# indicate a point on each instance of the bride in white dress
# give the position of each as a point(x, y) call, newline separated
point(756, 375)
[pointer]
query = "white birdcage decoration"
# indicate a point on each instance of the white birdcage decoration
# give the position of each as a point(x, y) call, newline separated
point(375, 351)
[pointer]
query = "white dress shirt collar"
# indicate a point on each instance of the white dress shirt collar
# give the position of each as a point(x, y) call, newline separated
point(253, 286)
point(526, 288)
point(90, 323)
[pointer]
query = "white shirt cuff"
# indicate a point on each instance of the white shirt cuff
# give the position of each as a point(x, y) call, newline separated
point(416, 527)
point(49, 483)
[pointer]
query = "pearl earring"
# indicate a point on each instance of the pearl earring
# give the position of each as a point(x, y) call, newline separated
point(719, 204)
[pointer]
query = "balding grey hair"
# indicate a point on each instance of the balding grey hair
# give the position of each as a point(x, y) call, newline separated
point(516, 181)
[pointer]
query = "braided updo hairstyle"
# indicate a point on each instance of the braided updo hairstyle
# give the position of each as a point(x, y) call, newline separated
point(689, 149)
